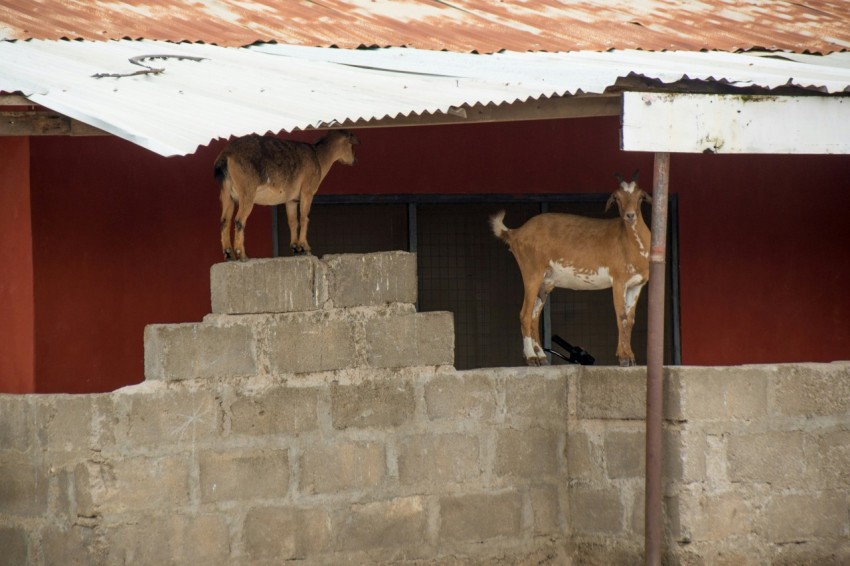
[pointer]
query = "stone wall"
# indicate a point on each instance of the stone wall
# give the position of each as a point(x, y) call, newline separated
point(315, 416)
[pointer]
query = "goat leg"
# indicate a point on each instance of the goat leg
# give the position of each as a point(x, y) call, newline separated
point(304, 222)
point(227, 206)
point(239, 230)
point(529, 324)
point(625, 321)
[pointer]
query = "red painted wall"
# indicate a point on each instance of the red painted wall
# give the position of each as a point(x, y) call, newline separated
point(17, 327)
point(764, 258)
point(124, 238)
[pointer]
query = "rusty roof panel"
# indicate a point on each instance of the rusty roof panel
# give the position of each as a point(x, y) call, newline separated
point(818, 26)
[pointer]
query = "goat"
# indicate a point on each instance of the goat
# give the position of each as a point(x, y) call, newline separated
point(575, 252)
point(266, 170)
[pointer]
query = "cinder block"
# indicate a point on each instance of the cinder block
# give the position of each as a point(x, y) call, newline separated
point(625, 454)
point(461, 395)
point(546, 509)
point(304, 344)
point(796, 518)
point(774, 457)
point(13, 541)
point(147, 543)
point(583, 457)
point(343, 467)
point(480, 516)
point(131, 484)
point(716, 516)
point(372, 279)
point(612, 393)
point(199, 350)
point(811, 553)
point(174, 539)
point(382, 524)
point(283, 284)
point(372, 404)
point(422, 339)
point(73, 545)
point(176, 416)
point(596, 511)
point(24, 484)
point(243, 474)
point(438, 459)
point(833, 459)
point(17, 423)
point(280, 410)
point(66, 421)
point(531, 453)
point(812, 390)
point(285, 533)
point(540, 398)
point(723, 393)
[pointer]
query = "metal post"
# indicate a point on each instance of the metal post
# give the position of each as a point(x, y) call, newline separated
point(655, 359)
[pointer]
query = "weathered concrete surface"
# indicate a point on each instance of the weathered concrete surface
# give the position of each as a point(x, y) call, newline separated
point(342, 435)
point(427, 465)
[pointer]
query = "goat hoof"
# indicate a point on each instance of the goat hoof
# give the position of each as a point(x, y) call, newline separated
point(228, 254)
point(627, 363)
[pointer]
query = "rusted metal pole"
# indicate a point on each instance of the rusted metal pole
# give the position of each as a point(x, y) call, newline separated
point(654, 522)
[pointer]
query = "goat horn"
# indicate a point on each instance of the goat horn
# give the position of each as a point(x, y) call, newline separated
point(618, 177)
point(635, 175)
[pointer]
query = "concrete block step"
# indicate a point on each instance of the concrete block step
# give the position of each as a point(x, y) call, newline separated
point(295, 284)
point(236, 346)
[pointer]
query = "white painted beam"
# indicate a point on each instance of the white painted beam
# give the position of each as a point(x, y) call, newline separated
point(699, 123)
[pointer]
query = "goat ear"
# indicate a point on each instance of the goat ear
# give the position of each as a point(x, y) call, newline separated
point(646, 197)
point(635, 175)
point(611, 201)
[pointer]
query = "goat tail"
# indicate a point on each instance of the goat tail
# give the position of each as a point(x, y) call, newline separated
point(220, 169)
point(497, 224)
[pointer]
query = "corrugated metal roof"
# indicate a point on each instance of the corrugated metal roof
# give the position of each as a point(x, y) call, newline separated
point(455, 25)
point(231, 92)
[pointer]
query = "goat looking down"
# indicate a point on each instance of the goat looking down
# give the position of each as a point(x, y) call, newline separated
point(266, 170)
point(575, 252)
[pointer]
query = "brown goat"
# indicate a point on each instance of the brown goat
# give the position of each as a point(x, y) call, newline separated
point(575, 252)
point(266, 170)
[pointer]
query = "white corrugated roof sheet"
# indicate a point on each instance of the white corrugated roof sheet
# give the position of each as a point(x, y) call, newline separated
point(273, 88)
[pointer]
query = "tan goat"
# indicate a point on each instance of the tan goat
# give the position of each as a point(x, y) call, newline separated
point(575, 252)
point(266, 170)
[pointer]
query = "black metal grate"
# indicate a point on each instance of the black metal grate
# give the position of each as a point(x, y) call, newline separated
point(463, 268)
point(351, 228)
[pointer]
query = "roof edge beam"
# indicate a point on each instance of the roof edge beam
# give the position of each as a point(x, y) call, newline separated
point(541, 109)
point(735, 123)
point(29, 123)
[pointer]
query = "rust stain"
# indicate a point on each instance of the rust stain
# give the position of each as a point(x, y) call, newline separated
point(817, 26)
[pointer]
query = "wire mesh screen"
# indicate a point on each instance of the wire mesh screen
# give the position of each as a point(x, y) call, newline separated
point(463, 268)
point(351, 228)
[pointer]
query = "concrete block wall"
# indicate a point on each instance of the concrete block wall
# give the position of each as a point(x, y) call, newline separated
point(391, 466)
point(328, 426)
point(756, 468)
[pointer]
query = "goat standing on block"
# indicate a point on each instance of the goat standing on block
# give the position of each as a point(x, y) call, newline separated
point(575, 252)
point(266, 170)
